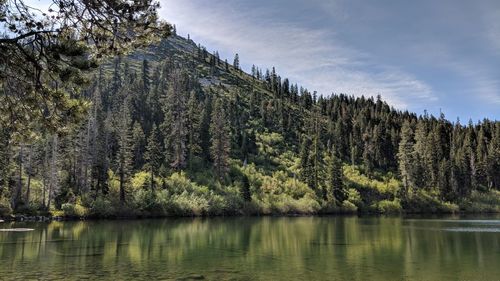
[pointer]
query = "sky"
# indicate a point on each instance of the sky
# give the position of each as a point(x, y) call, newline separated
point(439, 56)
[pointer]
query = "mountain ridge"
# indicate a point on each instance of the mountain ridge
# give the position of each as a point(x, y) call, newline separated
point(173, 130)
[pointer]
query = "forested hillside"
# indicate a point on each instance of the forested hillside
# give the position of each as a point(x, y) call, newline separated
point(174, 130)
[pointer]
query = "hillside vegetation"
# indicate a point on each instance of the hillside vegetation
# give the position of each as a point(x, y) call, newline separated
point(175, 131)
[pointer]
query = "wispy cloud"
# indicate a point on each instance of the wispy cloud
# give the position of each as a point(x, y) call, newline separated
point(478, 80)
point(313, 57)
point(482, 83)
point(492, 29)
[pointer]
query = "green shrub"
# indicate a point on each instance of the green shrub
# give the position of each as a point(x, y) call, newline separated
point(126, 210)
point(5, 209)
point(204, 176)
point(142, 180)
point(150, 202)
point(296, 189)
point(229, 202)
point(306, 205)
point(218, 205)
point(448, 207)
point(386, 185)
point(102, 208)
point(179, 183)
point(348, 207)
point(38, 209)
point(186, 204)
point(74, 210)
point(482, 202)
point(423, 202)
point(250, 208)
point(285, 204)
point(389, 207)
point(354, 197)
point(269, 143)
point(331, 207)
point(28, 210)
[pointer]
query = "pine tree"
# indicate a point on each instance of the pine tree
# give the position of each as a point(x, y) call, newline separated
point(146, 79)
point(116, 84)
point(193, 124)
point(53, 172)
point(30, 171)
point(125, 152)
point(206, 120)
point(368, 153)
point(100, 160)
point(153, 154)
point(421, 152)
point(493, 165)
point(220, 138)
point(236, 62)
point(481, 156)
point(470, 146)
point(460, 163)
point(4, 160)
point(176, 119)
point(306, 173)
point(154, 102)
point(316, 159)
point(138, 145)
point(17, 200)
point(406, 158)
point(336, 188)
point(245, 189)
point(444, 185)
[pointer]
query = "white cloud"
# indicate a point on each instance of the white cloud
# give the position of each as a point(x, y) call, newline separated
point(492, 29)
point(482, 83)
point(314, 58)
point(476, 77)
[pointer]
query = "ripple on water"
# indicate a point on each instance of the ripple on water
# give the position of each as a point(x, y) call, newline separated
point(491, 222)
point(488, 222)
point(15, 229)
point(473, 229)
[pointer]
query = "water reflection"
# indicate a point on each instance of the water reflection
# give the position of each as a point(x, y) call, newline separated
point(304, 248)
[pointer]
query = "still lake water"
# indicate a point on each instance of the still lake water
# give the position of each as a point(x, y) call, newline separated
point(265, 248)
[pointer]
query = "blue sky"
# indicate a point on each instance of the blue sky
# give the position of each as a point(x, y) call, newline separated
point(418, 55)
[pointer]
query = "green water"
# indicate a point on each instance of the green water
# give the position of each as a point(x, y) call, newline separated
point(302, 248)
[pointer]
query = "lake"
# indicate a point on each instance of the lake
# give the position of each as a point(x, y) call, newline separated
point(254, 248)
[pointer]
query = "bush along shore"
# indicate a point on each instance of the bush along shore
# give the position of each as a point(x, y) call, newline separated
point(254, 194)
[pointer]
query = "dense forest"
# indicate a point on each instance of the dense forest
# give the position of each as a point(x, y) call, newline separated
point(175, 130)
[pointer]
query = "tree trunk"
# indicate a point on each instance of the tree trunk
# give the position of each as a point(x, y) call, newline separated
point(122, 186)
point(30, 171)
point(87, 161)
point(49, 195)
point(43, 192)
point(53, 171)
point(17, 196)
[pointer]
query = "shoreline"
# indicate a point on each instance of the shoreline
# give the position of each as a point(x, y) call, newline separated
point(25, 218)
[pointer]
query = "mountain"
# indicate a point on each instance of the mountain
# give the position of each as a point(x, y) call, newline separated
point(174, 130)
